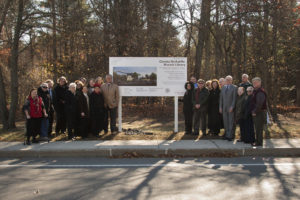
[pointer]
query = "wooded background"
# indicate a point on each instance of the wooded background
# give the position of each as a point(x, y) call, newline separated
point(42, 39)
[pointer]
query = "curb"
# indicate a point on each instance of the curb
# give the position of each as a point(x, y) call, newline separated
point(144, 152)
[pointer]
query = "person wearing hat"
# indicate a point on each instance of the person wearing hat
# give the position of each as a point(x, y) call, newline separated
point(97, 110)
point(200, 107)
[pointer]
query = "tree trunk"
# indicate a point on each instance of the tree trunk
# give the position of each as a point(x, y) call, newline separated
point(239, 41)
point(217, 41)
point(3, 102)
point(153, 29)
point(265, 48)
point(54, 51)
point(202, 32)
point(298, 87)
point(13, 64)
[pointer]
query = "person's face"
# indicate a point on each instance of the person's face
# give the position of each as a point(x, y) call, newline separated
point(189, 87)
point(193, 79)
point(44, 88)
point(249, 92)
point(256, 84)
point(92, 83)
point(100, 80)
point(200, 85)
point(222, 82)
point(50, 85)
point(78, 86)
point(109, 79)
point(84, 90)
point(240, 92)
point(244, 79)
point(228, 81)
point(97, 89)
point(33, 94)
point(214, 85)
point(62, 82)
point(72, 89)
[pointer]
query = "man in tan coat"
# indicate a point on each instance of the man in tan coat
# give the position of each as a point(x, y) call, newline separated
point(111, 100)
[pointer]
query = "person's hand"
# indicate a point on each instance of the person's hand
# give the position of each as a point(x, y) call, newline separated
point(220, 110)
point(46, 115)
point(82, 114)
point(253, 114)
point(197, 106)
point(28, 116)
point(230, 109)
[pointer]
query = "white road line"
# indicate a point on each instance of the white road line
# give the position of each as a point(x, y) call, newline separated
point(146, 165)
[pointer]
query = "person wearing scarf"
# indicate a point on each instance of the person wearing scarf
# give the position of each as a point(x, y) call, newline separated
point(34, 110)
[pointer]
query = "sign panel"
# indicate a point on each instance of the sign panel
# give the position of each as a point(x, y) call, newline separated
point(149, 76)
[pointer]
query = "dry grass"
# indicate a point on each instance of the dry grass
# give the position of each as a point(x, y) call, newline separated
point(162, 129)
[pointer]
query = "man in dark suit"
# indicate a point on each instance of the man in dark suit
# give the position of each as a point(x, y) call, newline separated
point(227, 104)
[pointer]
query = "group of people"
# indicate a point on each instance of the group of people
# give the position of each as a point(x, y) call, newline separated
point(80, 107)
point(83, 107)
point(225, 105)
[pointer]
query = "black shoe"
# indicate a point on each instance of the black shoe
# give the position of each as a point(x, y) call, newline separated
point(35, 140)
point(224, 138)
point(229, 139)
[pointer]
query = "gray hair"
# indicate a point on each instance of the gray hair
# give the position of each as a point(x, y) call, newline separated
point(108, 75)
point(245, 75)
point(256, 79)
point(72, 85)
point(229, 77)
point(221, 79)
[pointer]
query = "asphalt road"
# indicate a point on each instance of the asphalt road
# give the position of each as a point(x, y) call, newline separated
point(155, 178)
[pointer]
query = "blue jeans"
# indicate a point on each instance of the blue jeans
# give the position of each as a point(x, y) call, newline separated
point(44, 127)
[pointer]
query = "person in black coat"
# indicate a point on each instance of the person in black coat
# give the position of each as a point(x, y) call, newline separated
point(51, 110)
point(214, 116)
point(97, 110)
point(249, 136)
point(188, 106)
point(59, 105)
point(71, 110)
point(82, 112)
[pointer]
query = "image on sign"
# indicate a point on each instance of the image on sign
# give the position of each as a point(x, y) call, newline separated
point(135, 76)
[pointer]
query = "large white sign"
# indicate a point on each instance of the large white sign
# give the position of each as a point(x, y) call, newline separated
point(149, 76)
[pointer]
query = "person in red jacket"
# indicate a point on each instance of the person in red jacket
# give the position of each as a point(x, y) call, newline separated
point(34, 110)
